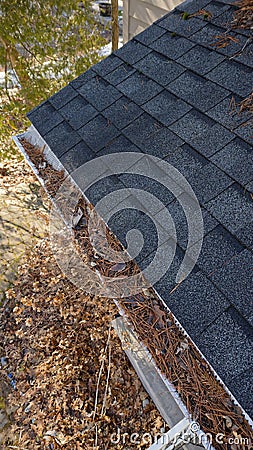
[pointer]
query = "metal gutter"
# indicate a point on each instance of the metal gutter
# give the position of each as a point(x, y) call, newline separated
point(160, 389)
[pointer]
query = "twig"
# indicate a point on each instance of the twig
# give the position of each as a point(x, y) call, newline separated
point(107, 380)
point(21, 227)
point(18, 448)
point(100, 372)
point(240, 51)
point(6, 77)
point(96, 437)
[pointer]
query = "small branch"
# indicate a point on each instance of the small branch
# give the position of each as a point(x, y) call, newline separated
point(100, 373)
point(240, 51)
point(96, 438)
point(115, 25)
point(26, 48)
point(6, 76)
point(21, 227)
point(107, 380)
point(17, 448)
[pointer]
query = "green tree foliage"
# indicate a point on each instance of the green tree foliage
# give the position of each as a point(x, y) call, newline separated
point(47, 43)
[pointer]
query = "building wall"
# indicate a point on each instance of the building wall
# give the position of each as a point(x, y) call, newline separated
point(139, 14)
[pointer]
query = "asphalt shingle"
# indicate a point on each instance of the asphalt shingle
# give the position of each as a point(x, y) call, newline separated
point(78, 112)
point(207, 36)
point(151, 136)
point(227, 346)
point(45, 117)
point(83, 78)
point(107, 65)
point(209, 182)
point(124, 220)
point(159, 68)
point(197, 91)
point(187, 161)
point(168, 282)
point(245, 379)
point(218, 248)
point(235, 281)
point(166, 107)
point(245, 235)
point(192, 125)
point(224, 20)
point(202, 301)
point(63, 96)
point(62, 138)
point(76, 157)
point(139, 88)
point(227, 2)
point(236, 159)
point(245, 131)
point(149, 35)
point(119, 74)
point(101, 188)
point(201, 132)
point(214, 9)
point(227, 112)
point(122, 112)
point(150, 239)
point(214, 139)
point(245, 56)
point(160, 144)
point(233, 208)
point(192, 7)
point(172, 46)
point(147, 185)
point(97, 140)
point(179, 218)
point(118, 145)
point(175, 92)
point(176, 23)
point(142, 129)
point(132, 52)
point(249, 187)
point(234, 47)
point(233, 76)
point(200, 59)
point(99, 93)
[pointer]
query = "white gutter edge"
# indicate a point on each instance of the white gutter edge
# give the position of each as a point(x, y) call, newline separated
point(172, 390)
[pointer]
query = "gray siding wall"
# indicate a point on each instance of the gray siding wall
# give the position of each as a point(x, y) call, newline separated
point(139, 14)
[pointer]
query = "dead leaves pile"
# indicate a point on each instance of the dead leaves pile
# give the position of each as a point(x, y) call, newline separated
point(52, 178)
point(72, 391)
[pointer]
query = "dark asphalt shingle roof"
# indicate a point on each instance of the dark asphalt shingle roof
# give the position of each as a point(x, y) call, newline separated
point(159, 68)
point(171, 93)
